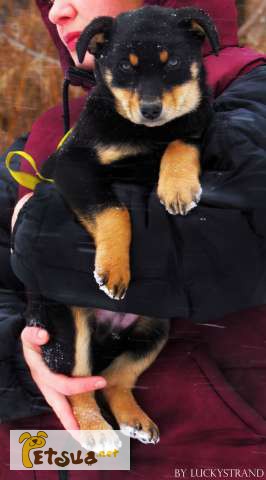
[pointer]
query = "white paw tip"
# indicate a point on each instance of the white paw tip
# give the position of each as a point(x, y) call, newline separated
point(106, 290)
point(140, 435)
point(99, 441)
point(110, 294)
point(97, 277)
point(172, 212)
point(191, 205)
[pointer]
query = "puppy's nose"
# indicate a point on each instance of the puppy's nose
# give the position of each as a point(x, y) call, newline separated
point(151, 110)
point(34, 440)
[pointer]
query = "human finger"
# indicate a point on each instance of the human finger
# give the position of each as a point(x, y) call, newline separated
point(62, 383)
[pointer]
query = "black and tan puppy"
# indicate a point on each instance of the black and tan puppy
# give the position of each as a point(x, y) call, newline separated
point(143, 123)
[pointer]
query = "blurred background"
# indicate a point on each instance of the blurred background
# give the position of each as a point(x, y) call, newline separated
point(30, 74)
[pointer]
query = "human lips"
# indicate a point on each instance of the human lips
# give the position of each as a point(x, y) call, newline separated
point(71, 40)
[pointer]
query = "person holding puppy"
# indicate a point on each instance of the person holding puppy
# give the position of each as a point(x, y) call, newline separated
point(65, 20)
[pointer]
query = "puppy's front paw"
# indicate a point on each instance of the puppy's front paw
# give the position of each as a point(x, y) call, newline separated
point(179, 196)
point(112, 276)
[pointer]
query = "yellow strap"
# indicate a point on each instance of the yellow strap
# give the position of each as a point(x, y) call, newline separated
point(64, 139)
point(26, 179)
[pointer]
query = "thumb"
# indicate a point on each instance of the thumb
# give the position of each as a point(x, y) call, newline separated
point(32, 337)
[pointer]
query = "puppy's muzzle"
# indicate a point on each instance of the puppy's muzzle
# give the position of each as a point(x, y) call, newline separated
point(151, 110)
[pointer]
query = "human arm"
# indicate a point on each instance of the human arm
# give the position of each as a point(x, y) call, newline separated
point(27, 385)
point(234, 146)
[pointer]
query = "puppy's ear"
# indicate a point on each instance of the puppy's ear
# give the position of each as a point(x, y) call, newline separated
point(94, 37)
point(201, 24)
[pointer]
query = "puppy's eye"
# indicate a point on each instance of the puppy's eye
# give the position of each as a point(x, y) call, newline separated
point(125, 66)
point(173, 63)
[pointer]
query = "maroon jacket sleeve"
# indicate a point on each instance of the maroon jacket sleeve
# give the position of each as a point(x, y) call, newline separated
point(45, 135)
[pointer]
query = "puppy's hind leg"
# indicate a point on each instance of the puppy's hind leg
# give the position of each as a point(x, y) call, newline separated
point(145, 340)
point(69, 352)
point(84, 405)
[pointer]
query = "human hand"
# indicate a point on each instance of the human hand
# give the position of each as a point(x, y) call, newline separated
point(55, 387)
point(18, 207)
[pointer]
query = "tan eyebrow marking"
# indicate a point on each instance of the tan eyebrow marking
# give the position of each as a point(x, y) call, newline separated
point(164, 55)
point(195, 26)
point(134, 59)
point(194, 70)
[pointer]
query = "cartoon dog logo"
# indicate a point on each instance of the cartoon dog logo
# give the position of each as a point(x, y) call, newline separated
point(31, 443)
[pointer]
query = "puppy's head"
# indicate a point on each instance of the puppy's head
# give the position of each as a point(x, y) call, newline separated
point(150, 59)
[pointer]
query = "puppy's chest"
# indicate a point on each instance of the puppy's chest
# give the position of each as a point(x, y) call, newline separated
point(130, 163)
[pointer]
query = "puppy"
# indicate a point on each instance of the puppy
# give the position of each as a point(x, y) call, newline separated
point(143, 123)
